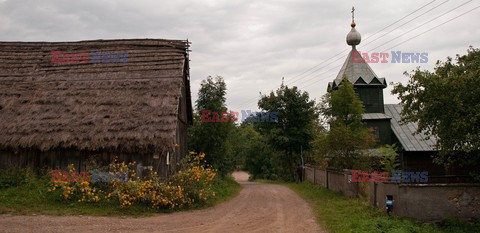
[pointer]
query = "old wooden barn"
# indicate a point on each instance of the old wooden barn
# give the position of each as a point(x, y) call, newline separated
point(70, 102)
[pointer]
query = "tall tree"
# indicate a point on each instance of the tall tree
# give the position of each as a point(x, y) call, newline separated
point(446, 104)
point(257, 155)
point(212, 137)
point(294, 128)
point(348, 137)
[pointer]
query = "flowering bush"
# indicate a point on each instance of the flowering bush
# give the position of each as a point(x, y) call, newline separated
point(191, 185)
point(196, 178)
point(80, 190)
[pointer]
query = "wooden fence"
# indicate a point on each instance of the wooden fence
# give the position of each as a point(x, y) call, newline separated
point(426, 202)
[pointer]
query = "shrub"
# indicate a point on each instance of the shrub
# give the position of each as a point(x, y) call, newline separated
point(14, 176)
point(191, 185)
point(389, 158)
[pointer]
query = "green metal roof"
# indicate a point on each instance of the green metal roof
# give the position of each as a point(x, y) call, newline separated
point(375, 116)
point(359, 73)
point(406, 133)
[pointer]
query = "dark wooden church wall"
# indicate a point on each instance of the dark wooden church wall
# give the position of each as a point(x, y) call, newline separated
point(372, 98)
point(382, 130)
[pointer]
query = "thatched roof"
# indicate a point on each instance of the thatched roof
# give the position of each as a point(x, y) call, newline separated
point(129, 106)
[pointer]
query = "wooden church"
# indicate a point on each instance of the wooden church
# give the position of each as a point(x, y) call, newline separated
point(415, 150)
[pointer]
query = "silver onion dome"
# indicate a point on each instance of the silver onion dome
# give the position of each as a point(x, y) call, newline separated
point(353, 37)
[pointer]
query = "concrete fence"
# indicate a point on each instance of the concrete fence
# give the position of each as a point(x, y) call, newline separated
point(429, 202)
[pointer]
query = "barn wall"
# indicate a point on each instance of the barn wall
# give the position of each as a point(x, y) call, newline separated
point(181, 131)
point(61, 158)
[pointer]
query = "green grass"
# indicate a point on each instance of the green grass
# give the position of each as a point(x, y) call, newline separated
point(337, 213)
point(226, 189)
point(31, 197)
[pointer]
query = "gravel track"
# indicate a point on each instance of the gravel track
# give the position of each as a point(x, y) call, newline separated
point(258, 208)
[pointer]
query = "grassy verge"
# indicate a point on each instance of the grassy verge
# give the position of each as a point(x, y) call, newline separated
point(337, 213)
point(226, 189)
point(31, 197)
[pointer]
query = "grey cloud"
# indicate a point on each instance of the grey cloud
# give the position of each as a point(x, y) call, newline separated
point(252, 44)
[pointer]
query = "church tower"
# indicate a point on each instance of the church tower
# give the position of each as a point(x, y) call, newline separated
point(415, 149)
point(367, 85)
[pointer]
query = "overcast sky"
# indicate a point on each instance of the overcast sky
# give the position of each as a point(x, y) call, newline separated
point(253, 43)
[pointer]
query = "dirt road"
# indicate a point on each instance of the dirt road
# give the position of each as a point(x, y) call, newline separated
point(258, 208)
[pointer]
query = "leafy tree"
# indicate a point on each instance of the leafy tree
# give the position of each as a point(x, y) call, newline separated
point(446, 104)
point(343, 106)
point(389, 158)
point(258, 156)
point(348, 139)
point(294, 129)
point(212, 137)
point(320, 131)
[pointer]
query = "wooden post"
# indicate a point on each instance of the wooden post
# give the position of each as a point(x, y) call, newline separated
point(326, 177)
point(313, 174)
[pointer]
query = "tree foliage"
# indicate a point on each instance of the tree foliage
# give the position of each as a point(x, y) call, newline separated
point(294, 129)
point(258, 157)
point(212, 137)
point(389, 158)
point(343, 106)
point(446, 104)
point(348, 138)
